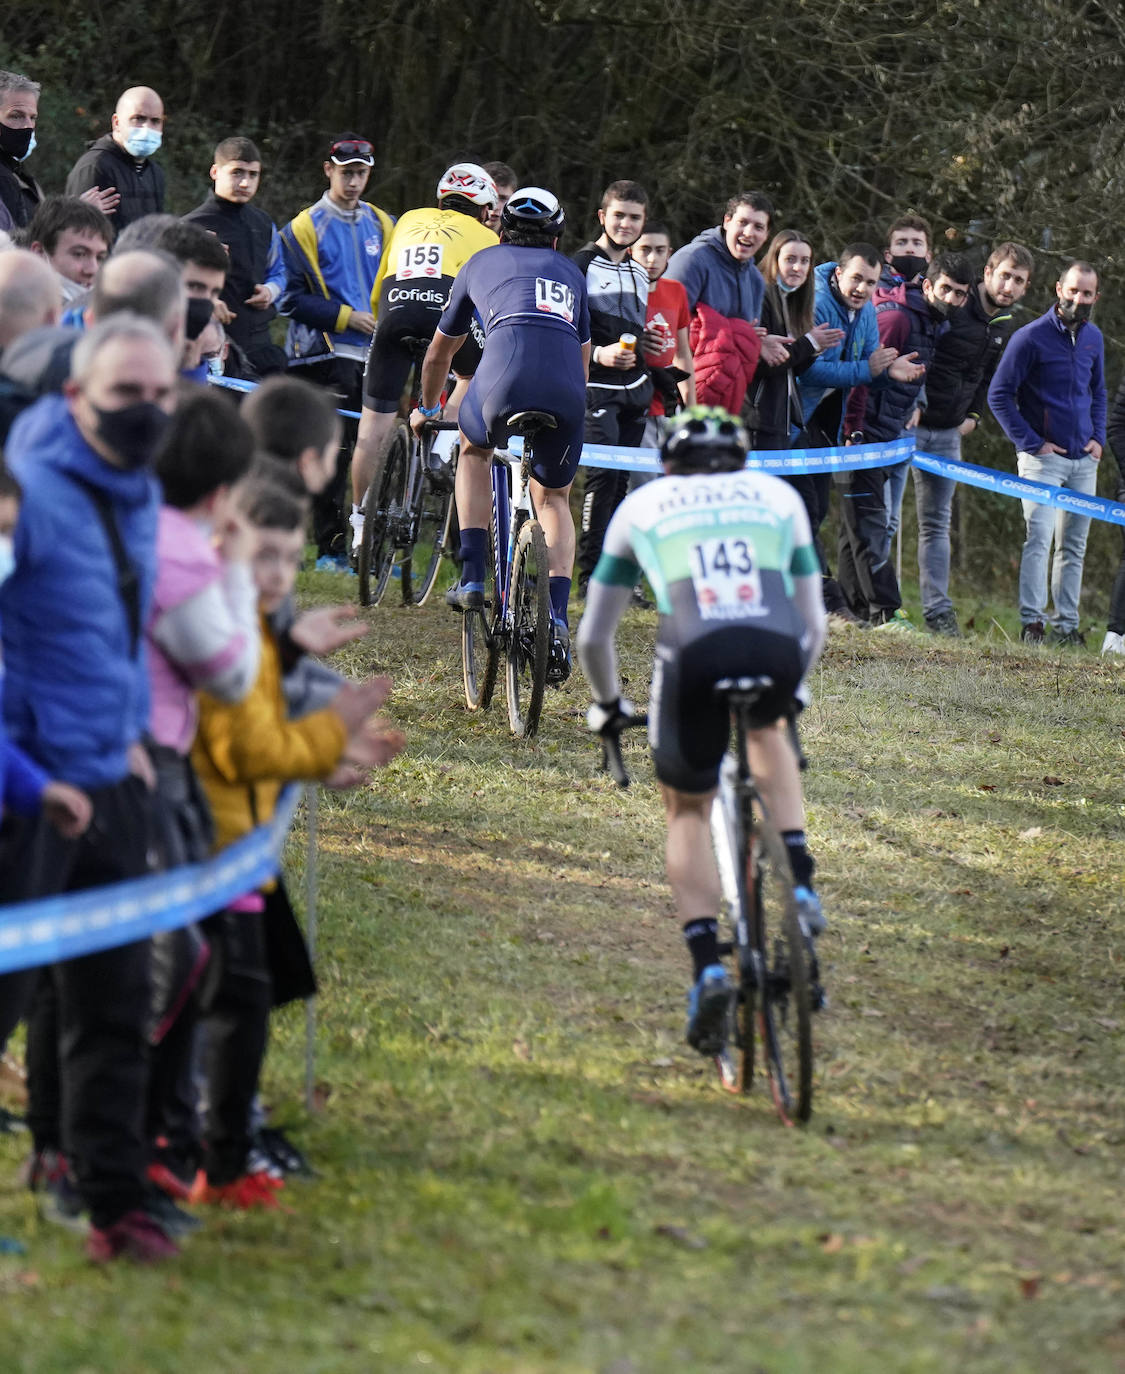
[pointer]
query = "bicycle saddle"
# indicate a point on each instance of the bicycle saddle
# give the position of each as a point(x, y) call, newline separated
point(528, 421)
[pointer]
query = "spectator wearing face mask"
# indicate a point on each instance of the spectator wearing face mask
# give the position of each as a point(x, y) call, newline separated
point(121, 159)
point(20, 193)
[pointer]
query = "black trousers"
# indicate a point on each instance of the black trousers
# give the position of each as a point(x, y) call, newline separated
point(608, 422)
point(331, 508)
point(87, 1043)
point(235, 1000)
point(815, 491)
point(867, 579)
point(1117, 598)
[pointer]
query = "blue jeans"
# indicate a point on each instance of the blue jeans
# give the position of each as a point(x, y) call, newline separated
point(933, 498)
point(892, 497)
point(1069, 532)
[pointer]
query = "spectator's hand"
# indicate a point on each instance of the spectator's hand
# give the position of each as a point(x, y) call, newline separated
point(223, 313)
point(967, 425)
point(357, 702)
point(1094, 449)
point(915, 419)
point(775, 350)
point(237, 540)
point(363, 321)
point(68, 809)
point(655, 340)
point(905, 369)
point(1048, 449)
point(345, 776)
point(259, 298)
point(327, 629)
point(825, 336)
point(140, 765)
point(106, 201)
point(881, 359)
point(375, 744)
point(616, 355)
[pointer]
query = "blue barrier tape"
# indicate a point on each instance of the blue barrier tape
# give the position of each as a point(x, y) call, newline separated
point(845, 459)
point(1010, 484)
point(76, 923)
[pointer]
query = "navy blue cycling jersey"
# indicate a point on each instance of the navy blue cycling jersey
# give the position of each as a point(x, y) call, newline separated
point(510, 285)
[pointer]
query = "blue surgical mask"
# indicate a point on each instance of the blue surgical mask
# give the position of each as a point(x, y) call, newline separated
point(787, 290)
point(214, 365)
point(143, 142)
point(7, 558)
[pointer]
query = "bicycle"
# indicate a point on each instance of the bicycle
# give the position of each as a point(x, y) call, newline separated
point(516, 617)
point(407, 513)
point(777, 985)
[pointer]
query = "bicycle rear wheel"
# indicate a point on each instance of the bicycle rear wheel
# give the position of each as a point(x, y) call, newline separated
point(480, 643)
point(529, 599)
point(381, 511)
point(784, 1011)
point(735, 1062)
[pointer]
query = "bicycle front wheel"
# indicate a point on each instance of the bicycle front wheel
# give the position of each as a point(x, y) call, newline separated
point(529, 599)
point(434, 516)
point(480, 644)
point(382, 510)
point(784, 1009)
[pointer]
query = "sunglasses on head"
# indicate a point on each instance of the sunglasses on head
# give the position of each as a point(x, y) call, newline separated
point(353, 150)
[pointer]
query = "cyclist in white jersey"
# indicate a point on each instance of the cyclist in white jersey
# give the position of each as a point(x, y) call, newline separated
point(731, 561)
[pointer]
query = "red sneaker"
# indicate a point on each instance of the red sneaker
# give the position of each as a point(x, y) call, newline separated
point(242, 1194)
point(136, 1236)
point(177, 1188)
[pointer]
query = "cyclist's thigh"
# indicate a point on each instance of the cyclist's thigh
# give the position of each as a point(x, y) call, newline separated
point(389, 360)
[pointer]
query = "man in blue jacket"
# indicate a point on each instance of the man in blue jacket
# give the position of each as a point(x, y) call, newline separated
point(843, 300)
point(332, 253)
point(76, 700)
point(1048, 393)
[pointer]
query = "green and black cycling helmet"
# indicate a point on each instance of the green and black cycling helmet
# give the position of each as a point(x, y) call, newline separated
point(531, 207)
point(703, 439)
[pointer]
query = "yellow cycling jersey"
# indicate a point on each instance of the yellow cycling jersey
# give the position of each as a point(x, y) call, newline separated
point(428, 246)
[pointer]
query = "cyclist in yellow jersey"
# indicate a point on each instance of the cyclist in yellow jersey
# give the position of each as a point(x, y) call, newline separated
point(424, 253)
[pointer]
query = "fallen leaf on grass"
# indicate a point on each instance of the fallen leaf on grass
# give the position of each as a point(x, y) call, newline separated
point(1031, 833)
point(994, 738)
point(1107, 1022)
point(1051, 781)
point(521, 1050)
point(831, 1244)
point(1029, 1287)
point(681, 1237)
point(870, 1011)
point(986, 787)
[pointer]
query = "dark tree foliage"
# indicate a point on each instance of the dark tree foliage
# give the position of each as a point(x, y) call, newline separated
point(994, 118)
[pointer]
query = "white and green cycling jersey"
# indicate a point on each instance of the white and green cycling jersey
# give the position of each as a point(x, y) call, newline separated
point(717, 550)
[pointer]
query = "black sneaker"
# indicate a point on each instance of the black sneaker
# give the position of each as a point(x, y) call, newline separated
point(639, 601)
point(288, 1158)
point(1032, 632)
point(944, 623)
point(47, 1174)
point(1067, 639)
point(172, 1220)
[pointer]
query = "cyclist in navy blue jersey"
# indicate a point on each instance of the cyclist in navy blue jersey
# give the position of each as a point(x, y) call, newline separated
point(531, 302)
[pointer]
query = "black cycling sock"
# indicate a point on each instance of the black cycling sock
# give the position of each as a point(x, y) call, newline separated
point(702, 938)
point(800, 860)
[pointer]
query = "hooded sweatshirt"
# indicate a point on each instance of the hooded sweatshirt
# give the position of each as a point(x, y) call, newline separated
point(711, 276)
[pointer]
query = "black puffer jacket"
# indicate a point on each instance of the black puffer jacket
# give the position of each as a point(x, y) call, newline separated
point(139, 184)
point(964, 360)
point(20, 195)
point(773, 408)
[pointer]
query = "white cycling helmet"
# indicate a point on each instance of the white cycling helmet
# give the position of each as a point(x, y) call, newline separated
point(468, 180)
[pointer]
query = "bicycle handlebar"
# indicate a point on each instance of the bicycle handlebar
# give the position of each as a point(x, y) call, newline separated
point(612, 761)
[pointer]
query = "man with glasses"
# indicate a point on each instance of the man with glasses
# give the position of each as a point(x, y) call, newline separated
point(333, 251)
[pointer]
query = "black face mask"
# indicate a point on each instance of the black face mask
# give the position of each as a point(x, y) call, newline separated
point(199, 312)
point(133, 432)
point(907, 266)
point(939, 310)
point(1074, 312)
point(15, 142)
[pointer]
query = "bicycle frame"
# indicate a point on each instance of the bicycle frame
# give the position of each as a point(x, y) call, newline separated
point(509, 511)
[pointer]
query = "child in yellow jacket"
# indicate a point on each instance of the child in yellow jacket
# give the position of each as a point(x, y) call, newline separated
point(243, 755)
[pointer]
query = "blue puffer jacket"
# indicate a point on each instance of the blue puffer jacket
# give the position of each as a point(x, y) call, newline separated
point(845, 366)
point(75, 692)
point(710, 276)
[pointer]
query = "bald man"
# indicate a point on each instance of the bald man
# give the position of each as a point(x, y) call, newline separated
point(29, 294)
point(121, 159)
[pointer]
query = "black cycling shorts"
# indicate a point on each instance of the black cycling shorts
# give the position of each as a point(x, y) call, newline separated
point(688, 725)
point(402, 335)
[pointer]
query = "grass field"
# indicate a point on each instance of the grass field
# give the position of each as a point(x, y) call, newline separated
point(523, 1168)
